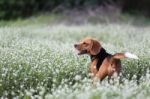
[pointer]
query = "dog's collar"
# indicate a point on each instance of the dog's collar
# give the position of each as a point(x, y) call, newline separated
point(100, 57)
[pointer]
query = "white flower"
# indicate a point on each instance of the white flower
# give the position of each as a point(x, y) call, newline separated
point(77, 77)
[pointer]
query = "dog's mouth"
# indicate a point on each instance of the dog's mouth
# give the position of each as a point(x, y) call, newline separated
point(82, 52)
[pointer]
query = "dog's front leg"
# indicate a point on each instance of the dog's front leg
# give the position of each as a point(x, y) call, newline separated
point(101, 74)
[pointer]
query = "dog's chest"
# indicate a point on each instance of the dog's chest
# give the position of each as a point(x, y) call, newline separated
point(93, 67)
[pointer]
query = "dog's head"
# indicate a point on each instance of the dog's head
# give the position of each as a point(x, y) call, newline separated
point(88, 46)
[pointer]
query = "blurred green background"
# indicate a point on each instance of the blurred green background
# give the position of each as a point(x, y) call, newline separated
point(12, 9)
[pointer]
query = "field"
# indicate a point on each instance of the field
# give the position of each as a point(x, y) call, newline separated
point(37, 60)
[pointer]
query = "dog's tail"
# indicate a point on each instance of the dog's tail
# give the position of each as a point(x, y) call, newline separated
point(124, 55)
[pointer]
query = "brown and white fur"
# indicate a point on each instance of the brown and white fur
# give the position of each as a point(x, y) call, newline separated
point(102, 63)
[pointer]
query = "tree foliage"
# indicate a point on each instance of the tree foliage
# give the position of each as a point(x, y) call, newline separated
point(21, 8)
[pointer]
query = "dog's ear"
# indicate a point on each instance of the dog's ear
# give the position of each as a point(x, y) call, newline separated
point(95, 47)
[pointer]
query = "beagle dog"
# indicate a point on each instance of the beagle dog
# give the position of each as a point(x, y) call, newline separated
point(102, 63)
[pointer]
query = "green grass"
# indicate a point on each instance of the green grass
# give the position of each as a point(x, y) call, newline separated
point(37, 59)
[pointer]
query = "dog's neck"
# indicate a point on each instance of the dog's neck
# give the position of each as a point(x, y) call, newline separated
point(99, 57)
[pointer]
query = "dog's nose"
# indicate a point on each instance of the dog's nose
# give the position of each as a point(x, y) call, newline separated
point(75, 45)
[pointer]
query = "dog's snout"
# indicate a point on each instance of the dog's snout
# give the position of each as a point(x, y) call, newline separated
point(75, 45)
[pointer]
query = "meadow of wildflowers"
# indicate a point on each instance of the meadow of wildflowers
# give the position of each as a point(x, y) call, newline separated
point(37, 60)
